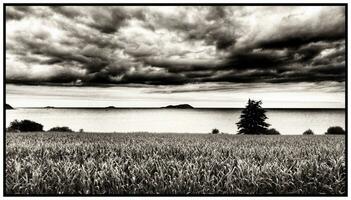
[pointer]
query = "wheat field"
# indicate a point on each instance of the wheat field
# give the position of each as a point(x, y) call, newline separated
point(173, 164)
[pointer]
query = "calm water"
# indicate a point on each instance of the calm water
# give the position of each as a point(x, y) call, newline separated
point(175, 120)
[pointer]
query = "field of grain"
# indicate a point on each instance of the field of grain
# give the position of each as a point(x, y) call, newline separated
point(94, 163)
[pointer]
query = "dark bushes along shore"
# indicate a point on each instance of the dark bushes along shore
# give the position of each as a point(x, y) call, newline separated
point(31, 126)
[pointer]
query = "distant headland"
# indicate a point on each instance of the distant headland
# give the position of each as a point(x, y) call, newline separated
point(180, 106)
point(8, 107)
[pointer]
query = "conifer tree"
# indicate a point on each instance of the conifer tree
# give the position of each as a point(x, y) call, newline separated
point(252, 119)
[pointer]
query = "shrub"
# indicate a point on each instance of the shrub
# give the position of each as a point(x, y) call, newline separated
point(81, 130)
point(215, 131)
point(308, 132)
point(24, 126)
point(272, 131)
point(335, 130)
point(60, 129)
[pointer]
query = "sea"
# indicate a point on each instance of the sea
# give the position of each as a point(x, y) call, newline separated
point(160, 120)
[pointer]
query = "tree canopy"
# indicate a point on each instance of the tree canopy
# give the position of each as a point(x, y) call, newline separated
point(24, 126)
point(335, 130)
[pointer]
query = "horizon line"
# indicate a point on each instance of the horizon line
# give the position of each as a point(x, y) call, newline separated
point(162, 107)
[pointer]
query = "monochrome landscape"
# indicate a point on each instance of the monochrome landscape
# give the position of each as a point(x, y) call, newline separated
point(175, 100)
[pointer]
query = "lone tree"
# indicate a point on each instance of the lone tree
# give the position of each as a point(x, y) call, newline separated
point(252, 119)
point(215, 131)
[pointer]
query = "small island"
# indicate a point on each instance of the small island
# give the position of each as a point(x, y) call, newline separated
point(8, 107)
point(180, 106)
point(49, 107)
point(110, 107)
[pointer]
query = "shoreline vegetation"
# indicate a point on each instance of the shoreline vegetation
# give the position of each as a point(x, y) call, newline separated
point(27, 126)
point(183, 164)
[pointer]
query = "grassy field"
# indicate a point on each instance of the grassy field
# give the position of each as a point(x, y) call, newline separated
point(92, 163)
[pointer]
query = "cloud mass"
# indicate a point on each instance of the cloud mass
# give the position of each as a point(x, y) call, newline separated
point(180, 45)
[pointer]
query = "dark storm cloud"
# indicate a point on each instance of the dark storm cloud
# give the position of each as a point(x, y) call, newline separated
point(328, 26)
point(155, 79)
point(330, 70)
point(109, 22)
point(294, 40)
point(67, 11)
point(105, 19)
point(215, 34)
point(223, 38)
point(16, 13)
point(256, 60)
point(174, 46)
point(181, 65)
point(210, 26)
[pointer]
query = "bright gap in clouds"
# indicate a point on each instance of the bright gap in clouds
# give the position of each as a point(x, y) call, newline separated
point(210, 95)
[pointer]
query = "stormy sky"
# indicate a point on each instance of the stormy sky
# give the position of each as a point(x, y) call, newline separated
point(209, 56)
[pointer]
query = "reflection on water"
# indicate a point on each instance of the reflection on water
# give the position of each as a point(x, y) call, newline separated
point(175, 120)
